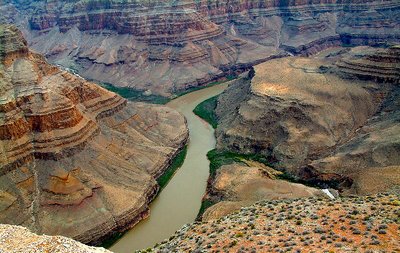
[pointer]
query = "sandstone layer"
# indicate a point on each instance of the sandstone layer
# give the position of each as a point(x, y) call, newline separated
point(75, 159)
point(16, 239)
point(350, 224)
point(332, 119)
point(168, 46)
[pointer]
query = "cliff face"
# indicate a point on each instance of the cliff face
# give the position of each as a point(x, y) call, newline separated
point(166, 46)
point(326, 119)
point(76, 159)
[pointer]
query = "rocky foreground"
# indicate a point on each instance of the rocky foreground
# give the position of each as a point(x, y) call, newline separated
point(75, 159)
point(331, 120)
point(349, 224)
point(15, 239)
point(165, 47)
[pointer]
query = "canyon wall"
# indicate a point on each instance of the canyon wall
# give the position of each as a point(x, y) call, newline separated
point(169, 46)
point(332, 119)
point(76, 160)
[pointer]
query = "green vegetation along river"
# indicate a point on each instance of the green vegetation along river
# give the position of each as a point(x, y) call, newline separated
point(180, 200)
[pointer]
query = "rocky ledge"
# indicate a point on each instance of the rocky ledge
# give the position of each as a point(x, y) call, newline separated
point(169, 46)
point(76, 160)
point(331, 120)
point(350, 224)
point(15, 239)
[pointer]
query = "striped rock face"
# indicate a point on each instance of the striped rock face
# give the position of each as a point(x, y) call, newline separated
point(75, 159)
point(169, 46)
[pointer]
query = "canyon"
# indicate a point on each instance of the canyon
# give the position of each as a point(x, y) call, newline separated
point(68, 147)
point(331, 120)
point(166, 47)
point(312, 105)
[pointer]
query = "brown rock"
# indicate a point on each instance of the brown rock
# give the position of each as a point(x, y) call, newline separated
point(76, 159)
point(330, 119)
point(180, 44)
point(239, 185)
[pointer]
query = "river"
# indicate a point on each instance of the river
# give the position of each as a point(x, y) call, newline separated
point(179, 202)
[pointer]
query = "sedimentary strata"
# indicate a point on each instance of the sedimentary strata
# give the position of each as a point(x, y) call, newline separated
point(76, 160)
point(331, 119)
point(371, 155)
point(166, 47)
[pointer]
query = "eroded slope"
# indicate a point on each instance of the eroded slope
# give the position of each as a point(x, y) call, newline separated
point(320, 119)
point(76, 159)
point(166, 47)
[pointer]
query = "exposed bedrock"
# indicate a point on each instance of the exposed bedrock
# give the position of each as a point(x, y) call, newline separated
point(19, 239)
point(76, 159)
point(167, 47)
point(238, 185)
point(332, 119)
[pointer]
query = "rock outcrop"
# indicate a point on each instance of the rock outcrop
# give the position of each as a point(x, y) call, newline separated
point(361, 224)
point(371, 155)
point(239, 185)
point(332, 119)
point(379, 65)
point(75, 159)
point(169, 46)
point(15, 239)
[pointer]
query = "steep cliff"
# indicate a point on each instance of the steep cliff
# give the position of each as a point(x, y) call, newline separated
point(330, 119)
point(76, 159)
point(169, 46)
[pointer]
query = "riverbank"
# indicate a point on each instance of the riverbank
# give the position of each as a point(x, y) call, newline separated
point(175, 165)
point(206, 111)
point(162, 181)
point(179, 202)
point(260, 171)
point(133, 94)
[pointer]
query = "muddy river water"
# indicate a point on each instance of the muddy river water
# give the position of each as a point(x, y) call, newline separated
point(179, 202)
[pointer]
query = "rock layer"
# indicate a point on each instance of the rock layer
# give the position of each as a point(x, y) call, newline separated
point(76, 159)
point(315, 118)
point(167, 47)
point(380, 65)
